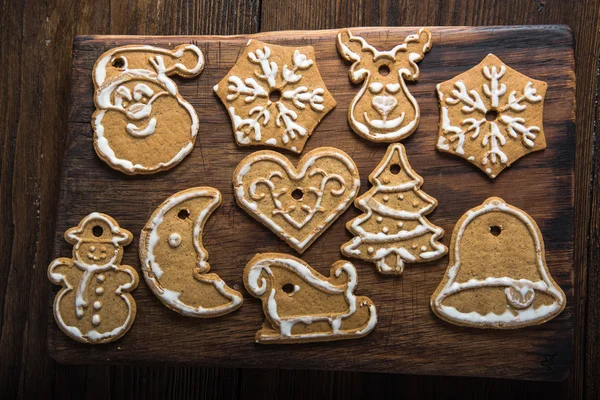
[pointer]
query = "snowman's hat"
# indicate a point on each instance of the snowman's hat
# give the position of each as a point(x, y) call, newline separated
point(98, 228)
point(497, 276)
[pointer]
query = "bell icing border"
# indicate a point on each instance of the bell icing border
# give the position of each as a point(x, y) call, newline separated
point(525, 313)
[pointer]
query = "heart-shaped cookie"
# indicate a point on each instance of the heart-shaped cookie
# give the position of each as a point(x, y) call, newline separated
point(297, 204)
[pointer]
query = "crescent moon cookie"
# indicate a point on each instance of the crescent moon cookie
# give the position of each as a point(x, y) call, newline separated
point(297, 204)
point(301, 305)
point(142, 125)
point(497, 276)
point(384, 110)
point(275, 96)
point(491, 115)
point(394, 229)
point(94, 305)
point(174, 261)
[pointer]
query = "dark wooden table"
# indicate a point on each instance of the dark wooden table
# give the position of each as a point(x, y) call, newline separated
point(35, 54)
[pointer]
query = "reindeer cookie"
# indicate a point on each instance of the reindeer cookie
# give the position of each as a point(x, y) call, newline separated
point(94, 304)
point(301, 305)
point(491, 115)
point(497, 276)
point(297, 204)
point(383, 110)
point(142, 124)
point(275, 96)
point(174, 260)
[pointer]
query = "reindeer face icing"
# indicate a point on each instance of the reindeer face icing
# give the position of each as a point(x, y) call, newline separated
point(142, 124)
point(383, 110)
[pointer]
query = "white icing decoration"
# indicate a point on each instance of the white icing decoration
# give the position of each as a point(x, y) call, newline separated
point(523, 312)
point(112, 94)
point(96, 320)
point(257, 285)
point(153, 271)
point(250, 199)
point(174, 240)
point(475, 105)
point(381, 125)
point(384, 241)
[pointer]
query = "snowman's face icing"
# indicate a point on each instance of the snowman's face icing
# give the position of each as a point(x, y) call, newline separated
point(98, 253)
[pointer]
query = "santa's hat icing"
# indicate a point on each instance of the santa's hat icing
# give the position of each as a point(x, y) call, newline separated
point(497, 276)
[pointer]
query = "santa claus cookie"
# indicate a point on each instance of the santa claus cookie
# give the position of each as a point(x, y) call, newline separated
point(298, 204)
point(275, 96)
point(174, 260)
point(497, 276)
point(384, 110)
point(301, 305)
point(142, 124)
point(94, 304)
point(393, 229)
point(491, 115)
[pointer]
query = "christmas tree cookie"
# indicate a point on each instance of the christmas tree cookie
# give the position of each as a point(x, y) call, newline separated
point(94, 304)
point(491, 115)
point(497, 276)
point(393, 229)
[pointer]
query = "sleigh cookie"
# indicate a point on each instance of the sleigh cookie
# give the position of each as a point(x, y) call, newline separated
point(301, 305)
point(497, 276)
point(174, 261)
point(275, 96)
point(94, 304)
point(142, 125)
point(384, 110)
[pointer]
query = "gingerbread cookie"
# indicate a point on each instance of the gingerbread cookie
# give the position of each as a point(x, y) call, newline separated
point(275, 96)
point(301, 305)
point(297, 204)
point(497, 276)
point(384, 110)
point(491, 115)
point(393, 229)
point(94, 304)
point(174, 260)
point(142, 125)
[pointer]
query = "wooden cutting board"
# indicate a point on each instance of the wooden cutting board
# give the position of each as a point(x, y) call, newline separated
point(408, 337)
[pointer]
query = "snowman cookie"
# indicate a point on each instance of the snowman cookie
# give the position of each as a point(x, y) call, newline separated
point(94, 304)
point(174, 260)
point(497, 276)
point(142, 125)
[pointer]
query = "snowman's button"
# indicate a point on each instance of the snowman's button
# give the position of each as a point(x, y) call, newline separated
point(100, 278)
point(96, 320)
point(99, 291)
point(97, 305)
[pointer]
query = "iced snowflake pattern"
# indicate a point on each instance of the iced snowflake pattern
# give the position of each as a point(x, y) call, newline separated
point(491, 115)
point(275, 96)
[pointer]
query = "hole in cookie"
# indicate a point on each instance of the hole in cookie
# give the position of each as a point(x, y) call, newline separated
point(495, 230)
point(298, 194)
point(491, 115)
point(395, 169)
point(118, 62)
point(288, 288)
point(384, 70)
point(97, 231)
point(183, 214)
point(275, 95)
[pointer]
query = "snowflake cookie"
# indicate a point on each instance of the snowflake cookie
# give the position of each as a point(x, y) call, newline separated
point(301, 305)
point(384, 110)
point(275, 96)
point(491, 115)
point(393, 229)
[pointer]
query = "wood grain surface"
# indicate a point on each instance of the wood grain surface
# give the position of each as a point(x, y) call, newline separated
point(37, 39)
point(408, 336)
